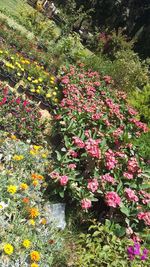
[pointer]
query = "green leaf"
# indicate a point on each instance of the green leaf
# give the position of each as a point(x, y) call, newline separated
point(125, 210)
point(58, 156)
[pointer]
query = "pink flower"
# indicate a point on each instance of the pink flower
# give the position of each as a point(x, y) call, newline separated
point(133, 165)
point(112, 199)
point(71, 166)
point(63, 180)
point(128, 175)
point(131, 195)
point(65, 80)
point(145, 216)
point(108, 178)
point(92, 147)
point(110, 160)
point(92, 185)
point(54, 175)
point(73, 153)
point(86, 203)
point(78, 142)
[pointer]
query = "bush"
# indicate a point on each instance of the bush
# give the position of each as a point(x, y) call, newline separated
point(96, 158)
point(101, 248)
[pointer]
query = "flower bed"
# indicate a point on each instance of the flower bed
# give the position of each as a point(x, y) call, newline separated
point(15, 68)
point(27, 236)
point(20, 116)
point(96, 159)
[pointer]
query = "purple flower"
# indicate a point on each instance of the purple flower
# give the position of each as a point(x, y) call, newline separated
point(136, 249)
point(145, 254)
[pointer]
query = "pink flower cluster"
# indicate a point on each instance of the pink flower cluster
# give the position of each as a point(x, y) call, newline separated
point(112, 199)
point(86, 203)
point(92, 147)
point(110, 160)
point(63, 180)
point(131, 196)
point(145, 216)
point(78, 142)
point(93, 185)
point(133, 166)
point(108, 178)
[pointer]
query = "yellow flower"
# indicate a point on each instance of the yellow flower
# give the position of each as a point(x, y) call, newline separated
point(52, 82)
point(35, 256)
point(24, 186)
point(18, 157)
point(48, 95)
point(13, 137)
point(56, 100)
point(43, 221)
point(32, 152)
point(29, 79)
point(35, 183)
point(26, 243)
point(38, 91)
point(8, 248)
point(32, 90)
point(44, 155)
point(12, 189)
point(31, 222)
point(40, 80)
point(36, 147)
point(35, 81)
point(34, 212)
point(34, 264)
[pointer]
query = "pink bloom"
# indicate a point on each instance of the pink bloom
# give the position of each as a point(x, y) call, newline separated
point(73, 153)
point(131, 195)
point(78, 142)
point(133, 165)
point(96, 116)
point(63, 180)
point(92, 185)
point(145, 216)
point(86, 203)
point(71, 166)
point(54, 175)
point(92, 147)
point(128, 175)
point(110, 160)
point(112, 199)
point(65, 80)
point(108, 178)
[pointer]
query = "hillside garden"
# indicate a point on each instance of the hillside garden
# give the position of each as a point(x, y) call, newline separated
point(74, 131)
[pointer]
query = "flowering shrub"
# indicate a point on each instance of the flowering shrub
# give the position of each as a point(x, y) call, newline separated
point(27, 236)
point(20, 116)
point(96, 158)
point(100, 247)
point(15, 67)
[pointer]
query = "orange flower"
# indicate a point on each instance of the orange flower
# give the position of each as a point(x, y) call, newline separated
point(34, 212)
point(25, 200)
point(35, 256)
point(37, 176)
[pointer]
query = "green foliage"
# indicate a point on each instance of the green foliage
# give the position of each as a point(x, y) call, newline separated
point(140, 99)
point(101, 248)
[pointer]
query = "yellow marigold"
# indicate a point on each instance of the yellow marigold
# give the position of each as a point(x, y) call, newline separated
point(18, 157)
point(31, 222)
point(12, 189)
point(35, 183)
point(26, 243)
point(34, 212)
point(8, 249)
point(23, 186)
point(34, 264)
point(35, 255)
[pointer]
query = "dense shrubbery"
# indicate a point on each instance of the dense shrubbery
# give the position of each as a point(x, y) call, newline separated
point(100, 247)
point(96, 158)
